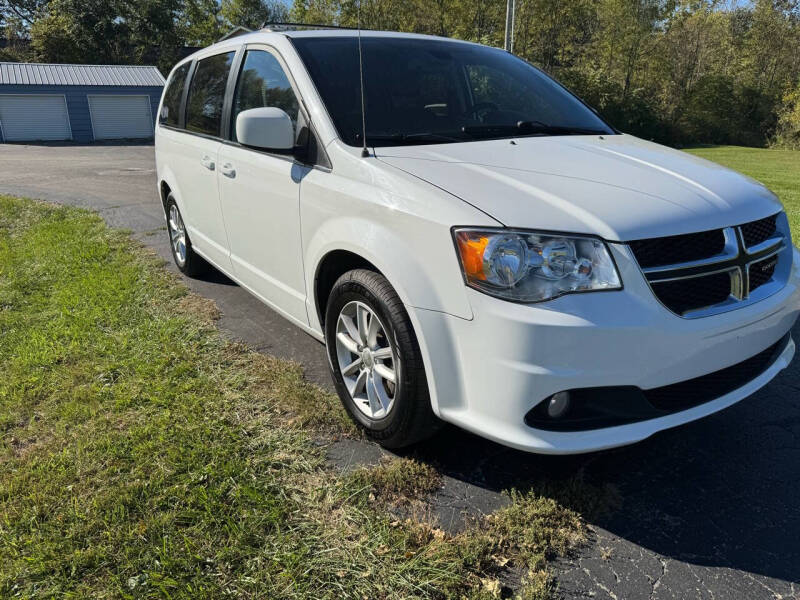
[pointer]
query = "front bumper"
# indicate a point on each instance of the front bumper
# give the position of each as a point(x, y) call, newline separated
point(487, 373)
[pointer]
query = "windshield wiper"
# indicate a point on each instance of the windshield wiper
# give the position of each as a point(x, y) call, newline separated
point(410, 138)
point(527, 128)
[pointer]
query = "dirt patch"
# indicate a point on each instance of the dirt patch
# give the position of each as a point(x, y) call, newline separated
point(204, 309)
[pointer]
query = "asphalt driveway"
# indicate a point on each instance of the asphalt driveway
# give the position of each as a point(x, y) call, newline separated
point(709, 510)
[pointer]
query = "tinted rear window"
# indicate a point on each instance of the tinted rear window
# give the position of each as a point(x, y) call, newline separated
point(171, 106)
point(207, 94)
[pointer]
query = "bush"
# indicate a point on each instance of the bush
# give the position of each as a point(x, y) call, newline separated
point(708, 114)
point(719, 110)
point(787, 133)
point(637, 113)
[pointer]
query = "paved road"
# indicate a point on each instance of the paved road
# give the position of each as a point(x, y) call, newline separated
point(709, 510)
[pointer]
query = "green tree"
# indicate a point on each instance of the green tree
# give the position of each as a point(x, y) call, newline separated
point(629, 31)
point(252, 13)
point(14, 34)
point(323, 12)
point(152, 31)
point(67, 34)
point(16, 17)
point(200, 22)
point(24, 12)
point(772, 44)
point(553, 34)
point(108, 32)
point(787, 133)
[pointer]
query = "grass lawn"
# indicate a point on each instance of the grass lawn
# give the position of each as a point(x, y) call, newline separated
point(779, 170)
point(142, 456)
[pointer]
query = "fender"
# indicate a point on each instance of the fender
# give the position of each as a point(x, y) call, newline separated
point(437, 285)
point(409, 279)
point(392, 219)
point(398, 223)
point(167, 176)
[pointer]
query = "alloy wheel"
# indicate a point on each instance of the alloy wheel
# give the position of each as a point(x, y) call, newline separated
point(367, 360)
point(177, 234)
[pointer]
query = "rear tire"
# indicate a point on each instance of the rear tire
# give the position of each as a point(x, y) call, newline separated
point(375, 361)
point(186, 259)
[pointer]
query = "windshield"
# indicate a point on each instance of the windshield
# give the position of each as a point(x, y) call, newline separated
point(420, 91)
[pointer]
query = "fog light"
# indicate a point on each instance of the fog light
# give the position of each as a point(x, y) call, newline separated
point(558, 405)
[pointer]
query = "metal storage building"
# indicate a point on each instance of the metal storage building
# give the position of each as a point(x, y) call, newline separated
point(77, 102)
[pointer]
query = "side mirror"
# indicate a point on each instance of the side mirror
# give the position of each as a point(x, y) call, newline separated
point(267, 128)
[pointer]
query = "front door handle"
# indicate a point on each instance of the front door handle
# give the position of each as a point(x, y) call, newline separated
point(207, 162)
point(228, 170)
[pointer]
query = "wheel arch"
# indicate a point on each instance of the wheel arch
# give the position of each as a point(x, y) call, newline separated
point(333, 265)
point(417, 287)
point(417, 258)
point(338, 258)
point(168, 184)
point(164, 191)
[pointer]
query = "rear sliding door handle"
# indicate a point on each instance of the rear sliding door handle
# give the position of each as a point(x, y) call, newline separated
point(228, 170)
point(207, 163)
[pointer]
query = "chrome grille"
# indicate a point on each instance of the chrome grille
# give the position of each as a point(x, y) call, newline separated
point(719, 270)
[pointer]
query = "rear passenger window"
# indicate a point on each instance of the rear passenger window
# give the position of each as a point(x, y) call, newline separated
point(263, 82)
point(171, 106)
point(207, 93)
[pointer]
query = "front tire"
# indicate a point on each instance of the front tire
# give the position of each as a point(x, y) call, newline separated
point(375, 361)
point(186, 259)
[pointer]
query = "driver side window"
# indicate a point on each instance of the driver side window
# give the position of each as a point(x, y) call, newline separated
point(262, 82)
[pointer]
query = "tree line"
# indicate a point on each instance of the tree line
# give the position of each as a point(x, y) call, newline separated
point(676, 71)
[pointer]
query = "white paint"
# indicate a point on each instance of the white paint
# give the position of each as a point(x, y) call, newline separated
point(268, 128)
point(34, 117)
point(121, 116)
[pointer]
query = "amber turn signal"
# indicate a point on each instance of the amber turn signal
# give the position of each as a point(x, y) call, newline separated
point(471, 247)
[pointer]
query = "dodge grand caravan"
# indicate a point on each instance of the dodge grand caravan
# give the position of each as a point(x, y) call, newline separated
point(471, 241)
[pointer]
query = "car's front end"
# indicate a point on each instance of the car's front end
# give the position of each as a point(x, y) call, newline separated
point(594, 370)
point(621, 288)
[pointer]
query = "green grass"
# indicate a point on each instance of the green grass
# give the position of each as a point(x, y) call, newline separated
point(779, 170)
point(142, 456)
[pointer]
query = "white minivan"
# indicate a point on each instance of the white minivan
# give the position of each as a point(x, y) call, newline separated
point(471, 241)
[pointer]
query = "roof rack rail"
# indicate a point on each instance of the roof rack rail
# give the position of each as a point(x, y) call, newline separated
point(280, 26)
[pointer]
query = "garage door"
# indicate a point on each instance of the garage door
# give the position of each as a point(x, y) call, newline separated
point(117, 117)
point(32, 117)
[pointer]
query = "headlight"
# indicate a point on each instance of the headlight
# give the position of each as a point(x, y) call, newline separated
point(532, 267)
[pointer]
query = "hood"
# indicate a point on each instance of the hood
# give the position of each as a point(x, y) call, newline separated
point(617, 186)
